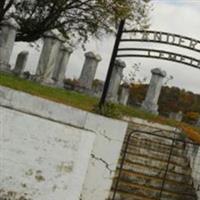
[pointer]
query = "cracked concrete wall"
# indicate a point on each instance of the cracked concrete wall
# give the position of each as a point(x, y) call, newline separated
point(44, 159)
point(32, 127)
point(105, 155)
point(193, 153)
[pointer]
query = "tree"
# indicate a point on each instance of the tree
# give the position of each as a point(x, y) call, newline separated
point(5, 6)
point(75, 18)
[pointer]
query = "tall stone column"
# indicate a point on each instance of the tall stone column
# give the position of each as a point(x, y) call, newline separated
point(61, 66)
point(21, 63)
point(48, 58)
point(89, 70)
point(150, 103)
point(124, 94)
point(116, 78)
point(8, 29)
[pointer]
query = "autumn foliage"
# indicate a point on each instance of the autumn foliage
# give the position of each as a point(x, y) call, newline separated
point(172, 99)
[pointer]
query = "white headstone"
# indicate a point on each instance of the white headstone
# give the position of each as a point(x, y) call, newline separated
point(8, 31)
point(124, 94)
point(198, 123)
point(61, 66)
point(115, 81)
point(89, 70)
point(48, 58)
point(176, 116)
point(150, 103)
point(21, 62)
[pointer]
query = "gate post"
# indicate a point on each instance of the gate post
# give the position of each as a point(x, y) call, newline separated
point(112, 63)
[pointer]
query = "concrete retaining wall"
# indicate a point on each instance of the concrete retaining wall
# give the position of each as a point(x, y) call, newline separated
point(52, 151)
point(194, 157)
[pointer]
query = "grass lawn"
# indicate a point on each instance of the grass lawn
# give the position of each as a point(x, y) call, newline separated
point(82, 101)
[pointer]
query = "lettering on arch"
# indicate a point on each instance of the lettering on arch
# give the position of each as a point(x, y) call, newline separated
point(165, 38)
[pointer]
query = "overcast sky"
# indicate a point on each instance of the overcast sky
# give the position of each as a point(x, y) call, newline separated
point(175, 16)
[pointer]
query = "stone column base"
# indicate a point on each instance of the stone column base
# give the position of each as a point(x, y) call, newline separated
point(59, 84)
point(5, 67)
point(42, 81)
point(150, 107)
point(112, 99)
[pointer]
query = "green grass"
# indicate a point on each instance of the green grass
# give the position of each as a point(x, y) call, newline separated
point(66, 97)
point(54, 94)
point(75, 99)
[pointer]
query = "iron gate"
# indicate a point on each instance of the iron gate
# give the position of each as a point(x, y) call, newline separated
point(157, 166)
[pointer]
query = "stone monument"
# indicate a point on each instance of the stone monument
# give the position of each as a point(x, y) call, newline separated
point(115, 81)
point(198, 123)
point(124, 94)
point(7, 39)
point(20, 63)
point(48, 57)
point(150, 103)
point(89, 70)
point(61, 65)
point(176, 116)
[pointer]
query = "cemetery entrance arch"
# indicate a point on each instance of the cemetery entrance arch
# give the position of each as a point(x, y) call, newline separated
point(156, 37)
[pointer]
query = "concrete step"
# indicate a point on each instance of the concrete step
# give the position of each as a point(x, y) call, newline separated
point(150, 141)
point(146, 152)
point(151, 130)
point(152, 192)
point(145, 167)
point(155, 148)
point(120, 195)
point(155, 172)
point(157, 163)
point(156, 182)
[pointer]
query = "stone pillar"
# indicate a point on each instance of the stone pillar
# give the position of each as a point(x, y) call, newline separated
point(124, 94)
point(61, 66)
point(116, 78)
point(48, 58)
point(89, 70)
point(20, 63)
point(8, 29)
point(150, 103)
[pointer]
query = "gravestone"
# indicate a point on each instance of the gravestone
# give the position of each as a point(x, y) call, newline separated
point(176, 116)
point(150, 104)
point(198, 123)
point(61, 66)
point(97, 88)
point(115, 81)
point(48, 57)
point(89, 70)
point(124, 94)
point(20, 63)
point(8, 29)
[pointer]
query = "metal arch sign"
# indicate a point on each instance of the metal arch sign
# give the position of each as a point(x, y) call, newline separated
point(153, 37)
point(164, 38)
point(160, 54)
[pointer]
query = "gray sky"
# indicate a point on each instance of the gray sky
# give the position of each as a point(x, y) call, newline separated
point(175, 16)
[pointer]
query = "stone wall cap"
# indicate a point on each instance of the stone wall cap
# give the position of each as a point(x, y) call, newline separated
point(10, 22)
point(159, 72)
point(120, 63)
